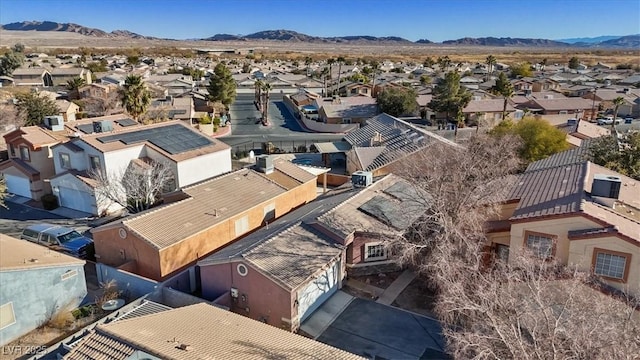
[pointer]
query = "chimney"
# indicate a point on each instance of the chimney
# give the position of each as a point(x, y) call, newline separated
point(376, 139)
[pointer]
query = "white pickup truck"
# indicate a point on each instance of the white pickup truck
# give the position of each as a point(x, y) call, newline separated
point(608, 120)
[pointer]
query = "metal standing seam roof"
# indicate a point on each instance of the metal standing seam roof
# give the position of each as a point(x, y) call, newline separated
point(551, 191)
point(568, 157)
point(206, 332)
point(294, 255)
point(209, 204)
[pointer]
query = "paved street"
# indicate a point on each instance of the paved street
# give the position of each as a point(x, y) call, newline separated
point(16, 217)
point(244, 116)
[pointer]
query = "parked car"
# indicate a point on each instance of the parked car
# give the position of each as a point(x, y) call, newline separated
point(608, 121)
point(628, 120)
point(60, 238)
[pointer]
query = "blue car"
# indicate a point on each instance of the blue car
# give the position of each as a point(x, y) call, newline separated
point(60, 238)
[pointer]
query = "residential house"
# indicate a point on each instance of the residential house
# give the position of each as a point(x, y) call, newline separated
point(173, 108)
point(381, 142)
point(68, 110)
point(30, 158)
point(157, 243)
point(346, 110)
point(60, 75)
point(32, 77)
point(575, 212)
point(96, 90)
point(191, 157)
point(578, 130)
point(282, 273)
point(605, 97)
point(357, 89)
point(488, 112)
point(180, 334)
point(578, 107)
point(113, 79)
point(37, 283)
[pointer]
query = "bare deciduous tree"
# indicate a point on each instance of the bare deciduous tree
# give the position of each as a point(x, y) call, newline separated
point(526, 309)
point(137, 187)
point(98, 106)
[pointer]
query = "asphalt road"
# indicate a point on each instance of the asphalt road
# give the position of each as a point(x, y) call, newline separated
point(245, 117)
point(16, 217)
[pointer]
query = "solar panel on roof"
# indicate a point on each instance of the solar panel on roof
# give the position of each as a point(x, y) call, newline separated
point(86, 128)
point(174, 139)
point(126, 122)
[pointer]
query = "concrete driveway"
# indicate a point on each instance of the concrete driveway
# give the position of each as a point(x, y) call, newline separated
point(15, 217)
point(378, 331)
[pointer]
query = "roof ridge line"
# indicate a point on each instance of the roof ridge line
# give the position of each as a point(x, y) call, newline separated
point(271, 238)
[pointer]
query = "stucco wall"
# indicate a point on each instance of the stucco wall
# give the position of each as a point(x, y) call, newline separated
point(581, 254)
point(558, 227)
point(131, 285)
point(109, 245)
point(203, 167)
point(265, 300)
point(36, 294)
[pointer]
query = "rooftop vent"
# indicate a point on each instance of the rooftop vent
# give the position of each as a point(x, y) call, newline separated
point(264, 164)
point(607, 186)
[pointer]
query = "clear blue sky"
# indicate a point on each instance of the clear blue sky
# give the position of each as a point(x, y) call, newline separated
point(436, 20)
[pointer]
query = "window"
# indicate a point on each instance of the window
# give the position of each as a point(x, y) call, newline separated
point(563, 112)
point(12, 150)
point(374, 251)
point(242, 225)
point(65, 161)
point(94, 163)
point(24, 153)
point(540, 244)
point(610, 264)
point(7, 316)
point(502, 252)
point(346, 121)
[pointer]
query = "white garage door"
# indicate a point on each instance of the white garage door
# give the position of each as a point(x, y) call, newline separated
point(318, 291)
point(18, 185)
point(77, 200)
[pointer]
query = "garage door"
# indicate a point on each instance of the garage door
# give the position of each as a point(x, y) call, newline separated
point(18, 185)
point(77, 200)
point(318, 291)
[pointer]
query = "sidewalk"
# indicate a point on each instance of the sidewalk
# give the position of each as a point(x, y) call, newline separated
point(396, 287)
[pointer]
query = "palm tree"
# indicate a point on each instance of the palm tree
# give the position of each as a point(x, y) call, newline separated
point(340, 62)
point(307, 61)
point(73, 85)
point(616, 102)
point(258, 88)
point(504, 88)
point(491, 62)
point(374, 68)
point(543, 64)
point(135, 96)
point(330, 61)
point(265, 108)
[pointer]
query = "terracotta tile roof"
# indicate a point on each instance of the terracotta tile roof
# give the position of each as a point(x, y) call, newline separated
point(19, 254)
point(97, 346)
point(294, 255)
point(209, 203)
point(38, 136)
point(215, 146)
point(207, 333)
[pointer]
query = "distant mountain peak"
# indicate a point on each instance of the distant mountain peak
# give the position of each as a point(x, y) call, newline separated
point(294, 36)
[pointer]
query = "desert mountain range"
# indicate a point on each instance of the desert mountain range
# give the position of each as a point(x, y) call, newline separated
point(629, 41)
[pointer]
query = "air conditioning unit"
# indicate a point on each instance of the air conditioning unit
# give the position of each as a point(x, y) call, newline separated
point(264, 163)
point(606, 186)
point(54, 123)
point(361, 178)
point(102, 126)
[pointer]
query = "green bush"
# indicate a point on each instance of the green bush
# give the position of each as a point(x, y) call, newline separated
point(49, 201)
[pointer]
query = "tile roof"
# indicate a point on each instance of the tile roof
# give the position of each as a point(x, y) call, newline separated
point(367, 155)
point(487, 105)
point(208, 333)
point(16, 254)
point(83, 176)
point(563, 104)
point(97, 346)
point(28, 71)
point(292, 170)
point(399, 139)
point(38, 136)
point(294, 255)
point(350, 107)
point(209, 203)
point(67, 71)
point(573, 156)
point(22, 166)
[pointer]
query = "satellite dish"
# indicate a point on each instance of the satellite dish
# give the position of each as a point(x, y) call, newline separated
point(114, 304)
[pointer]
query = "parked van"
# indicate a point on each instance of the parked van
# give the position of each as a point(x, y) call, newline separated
point(60, 238)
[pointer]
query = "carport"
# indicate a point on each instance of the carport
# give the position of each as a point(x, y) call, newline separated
point(328, 148)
